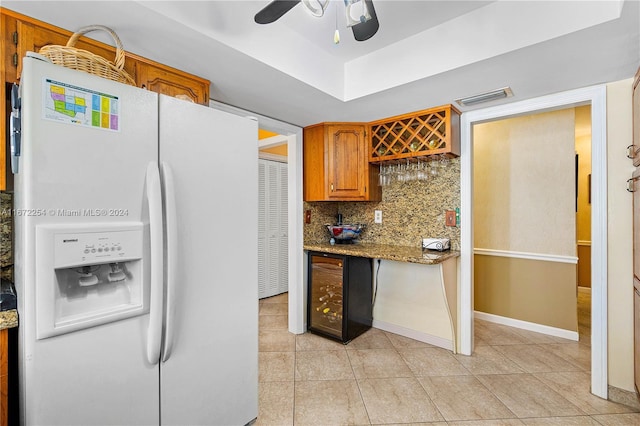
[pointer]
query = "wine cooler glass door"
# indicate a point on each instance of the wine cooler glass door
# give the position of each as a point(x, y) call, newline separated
point(326, 295)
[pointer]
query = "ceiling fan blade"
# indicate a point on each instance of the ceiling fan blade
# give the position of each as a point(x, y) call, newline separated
point(366, 30)
point(274, 11)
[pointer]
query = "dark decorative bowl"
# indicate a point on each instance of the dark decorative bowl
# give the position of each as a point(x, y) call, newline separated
point(345, 232)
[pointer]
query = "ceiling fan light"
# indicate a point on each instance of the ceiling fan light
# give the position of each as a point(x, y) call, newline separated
point(357, 12)
point(316, 7)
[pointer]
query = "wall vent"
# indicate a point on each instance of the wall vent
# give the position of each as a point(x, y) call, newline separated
point(504, 92)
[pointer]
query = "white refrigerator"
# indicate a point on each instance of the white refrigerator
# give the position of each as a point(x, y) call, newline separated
point(136, 255)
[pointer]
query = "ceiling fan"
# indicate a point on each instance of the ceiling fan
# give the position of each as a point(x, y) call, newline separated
point(361, 15)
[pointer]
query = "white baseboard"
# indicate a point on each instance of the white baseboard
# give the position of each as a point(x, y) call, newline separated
point(531, 326)
point(413, 334)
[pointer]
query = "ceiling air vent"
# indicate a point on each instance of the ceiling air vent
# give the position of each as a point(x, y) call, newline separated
point(504, 92)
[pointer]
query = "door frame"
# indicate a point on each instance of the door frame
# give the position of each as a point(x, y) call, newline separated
point(297, 293)
point(596, 96)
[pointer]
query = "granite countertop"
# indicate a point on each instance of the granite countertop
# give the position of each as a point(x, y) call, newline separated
point(8, 319)
point(383, 251)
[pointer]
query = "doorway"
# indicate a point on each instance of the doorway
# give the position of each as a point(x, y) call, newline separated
point(273, 251)
point(583, 220)
point(296, 294)
point(525, 222)
point(596, 97)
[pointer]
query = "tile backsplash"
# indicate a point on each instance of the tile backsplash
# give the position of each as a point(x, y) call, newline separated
point(410, 211)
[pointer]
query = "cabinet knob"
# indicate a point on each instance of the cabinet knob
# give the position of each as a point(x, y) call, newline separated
point(332, 187)
point(631, 151)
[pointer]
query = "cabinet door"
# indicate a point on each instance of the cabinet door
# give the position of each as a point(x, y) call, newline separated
point(8, 47)
point(172, 82)
point(348, 162)
point(32, 37)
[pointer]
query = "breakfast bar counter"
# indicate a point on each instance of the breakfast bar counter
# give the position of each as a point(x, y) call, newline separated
point(384, 251)
point(416, 290)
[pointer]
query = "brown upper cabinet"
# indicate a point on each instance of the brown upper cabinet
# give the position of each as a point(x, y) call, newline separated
point(168, 81)
point(342, 160)
point(418, 134)
point(336, 164)
point(27, 34)
point(20, 34)
point(32, 36)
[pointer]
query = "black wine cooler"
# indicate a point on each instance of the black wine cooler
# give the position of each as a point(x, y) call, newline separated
point(339, 295)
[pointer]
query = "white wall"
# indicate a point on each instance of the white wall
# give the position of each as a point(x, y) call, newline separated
point(620, 247)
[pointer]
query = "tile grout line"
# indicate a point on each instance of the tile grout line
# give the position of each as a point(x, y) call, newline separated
point(295, 361)
point(529, 342)
point(364, 404)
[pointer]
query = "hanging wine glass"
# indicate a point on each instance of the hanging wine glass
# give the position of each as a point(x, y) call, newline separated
point(443, 162)
point(414, 170)
point(433, 168)
point(422, 174)
point(407, 171)
point(388, 175)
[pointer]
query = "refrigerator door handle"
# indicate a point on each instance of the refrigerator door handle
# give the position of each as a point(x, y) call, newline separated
point(156, 296)
point(172, 256)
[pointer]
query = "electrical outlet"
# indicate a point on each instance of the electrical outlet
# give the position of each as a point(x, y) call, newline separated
point(450, 218)
point(377, 217)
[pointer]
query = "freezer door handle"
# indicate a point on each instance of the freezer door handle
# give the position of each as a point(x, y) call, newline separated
point(172, 256)
point(154, 195)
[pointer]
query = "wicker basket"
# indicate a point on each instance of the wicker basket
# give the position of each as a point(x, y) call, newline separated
point(78, 59)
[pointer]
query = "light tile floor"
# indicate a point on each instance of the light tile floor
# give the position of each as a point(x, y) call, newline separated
point(514, 377)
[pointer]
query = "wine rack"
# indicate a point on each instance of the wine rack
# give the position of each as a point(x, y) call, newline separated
point(331, 304)
point(419, 134)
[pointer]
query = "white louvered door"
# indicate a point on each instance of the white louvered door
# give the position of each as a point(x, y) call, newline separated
point(272, 229)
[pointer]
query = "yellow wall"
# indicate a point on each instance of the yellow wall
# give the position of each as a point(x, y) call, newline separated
point(278, 149)
point(583, 216)
point(529, 290)
point(620, 235)
point(524, 168)
point(524, 182)
point(263, 134)
point(583, 149)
